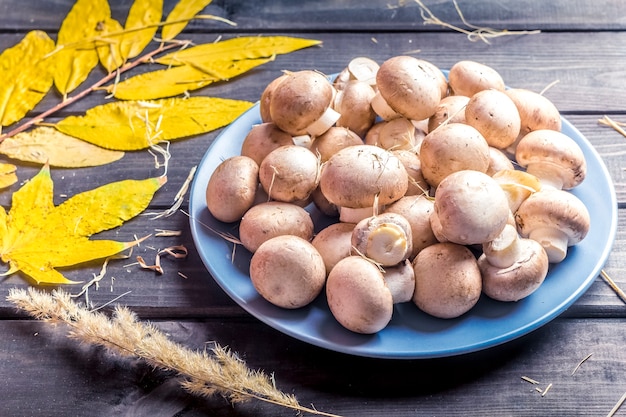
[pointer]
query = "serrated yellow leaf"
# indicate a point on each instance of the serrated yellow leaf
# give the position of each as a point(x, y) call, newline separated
point(108, 48)
point(134, 125)
point(76, 58)
point(141, 25)
point(26, 77)
point(48, 145)
point(7, 175)
point(245, 47)
point(181, 79)
point(37, 237)
point(183, 10)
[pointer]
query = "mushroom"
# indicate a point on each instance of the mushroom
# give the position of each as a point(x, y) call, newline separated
point(266, 97)
point(450, 148)
point(413, 165)
point(536, 110)
point(451, 109)
point(363, 177)
point(270, 219)
point(555, 218)
point(416, 209)
point(517, 185)
point(512, 267)
point(335, 138)
point(385, 238)
point(553, 157)
point(399, 133)
point(289, 173)
point(361, 69)
point(263, 139)
point(470, 207)
point(232, 188)
point(409, 86)
point(498, 161)
point(467, 78)
point(288, 271)
point(447, 280)
point(301, 104)
point(495, 116)
point(334, 242)
point(400, 279)
point(358, 297)
point(353, 104)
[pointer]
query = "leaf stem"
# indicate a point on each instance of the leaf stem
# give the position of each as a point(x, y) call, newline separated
point(70, 100)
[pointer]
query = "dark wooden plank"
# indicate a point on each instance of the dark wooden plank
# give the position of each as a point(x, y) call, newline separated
point(353, 15)
point(46, 374)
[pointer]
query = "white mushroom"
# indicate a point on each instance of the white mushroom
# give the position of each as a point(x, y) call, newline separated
point(498, 161)
point(447, 280)
point(358, 297)
point(450, 148)
point(359, 177)
point(334, 242)
point(495, 116)
point(555, 218)
point(301, 104)
point(470, 207)
point(553, 157)
point(512, 267)
point(409, 86)
point(289, 173)
point(385, 238)
point(400, 279)
point(287, 271)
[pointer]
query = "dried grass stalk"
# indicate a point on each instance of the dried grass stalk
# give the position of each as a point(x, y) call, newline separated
point(474, 32)
point(205, 373)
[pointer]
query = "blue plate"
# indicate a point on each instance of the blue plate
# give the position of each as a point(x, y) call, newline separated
point(411, 334)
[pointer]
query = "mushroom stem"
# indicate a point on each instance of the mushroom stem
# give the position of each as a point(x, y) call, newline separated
point(321, 125)
point(547, 173)
point(387, 244)
point(355, 215)
point(381, 108)
point(302, 140)
point(504, 250)
point(553, 240)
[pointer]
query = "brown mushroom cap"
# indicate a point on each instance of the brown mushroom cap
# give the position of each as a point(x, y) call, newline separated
point(555, 218)
point(409, 86)
point(334, 242)
point(353, 103)
point(416, 209)
point(289, 173)
point(495, 116)
point(357, 176)
point(555, 158)
point(451, 109)
point(471, 207)
point(263, 139)
point(520, 279)
point(266, 97)
point(536, 110)
point(300, 100)
point(288, 271)
point(447, 280)
point(358, 297)
point(333, 140)
point(450, 148)
point(467, 78)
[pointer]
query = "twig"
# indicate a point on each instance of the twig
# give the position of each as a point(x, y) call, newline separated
point(617, 406)
point(607, 121)
point(70, 100)
point(613, 285)
point(207, 374)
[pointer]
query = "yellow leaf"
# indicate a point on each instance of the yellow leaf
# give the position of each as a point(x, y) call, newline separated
point(37, 237)
point(48, 145)
point(108, 48)
point(141, 25)
point(182, 11)
point(76, 58)
point(134, 125)
point(26, 77)
point(181, 79)
point(7, 175)
point(245, 47)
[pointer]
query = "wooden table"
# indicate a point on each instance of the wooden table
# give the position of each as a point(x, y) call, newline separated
point(581, 45)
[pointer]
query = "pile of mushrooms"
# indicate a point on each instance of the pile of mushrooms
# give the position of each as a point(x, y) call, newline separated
point(441, 189)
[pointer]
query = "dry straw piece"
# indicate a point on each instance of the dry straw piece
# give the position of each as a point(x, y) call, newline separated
point(205, 373)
